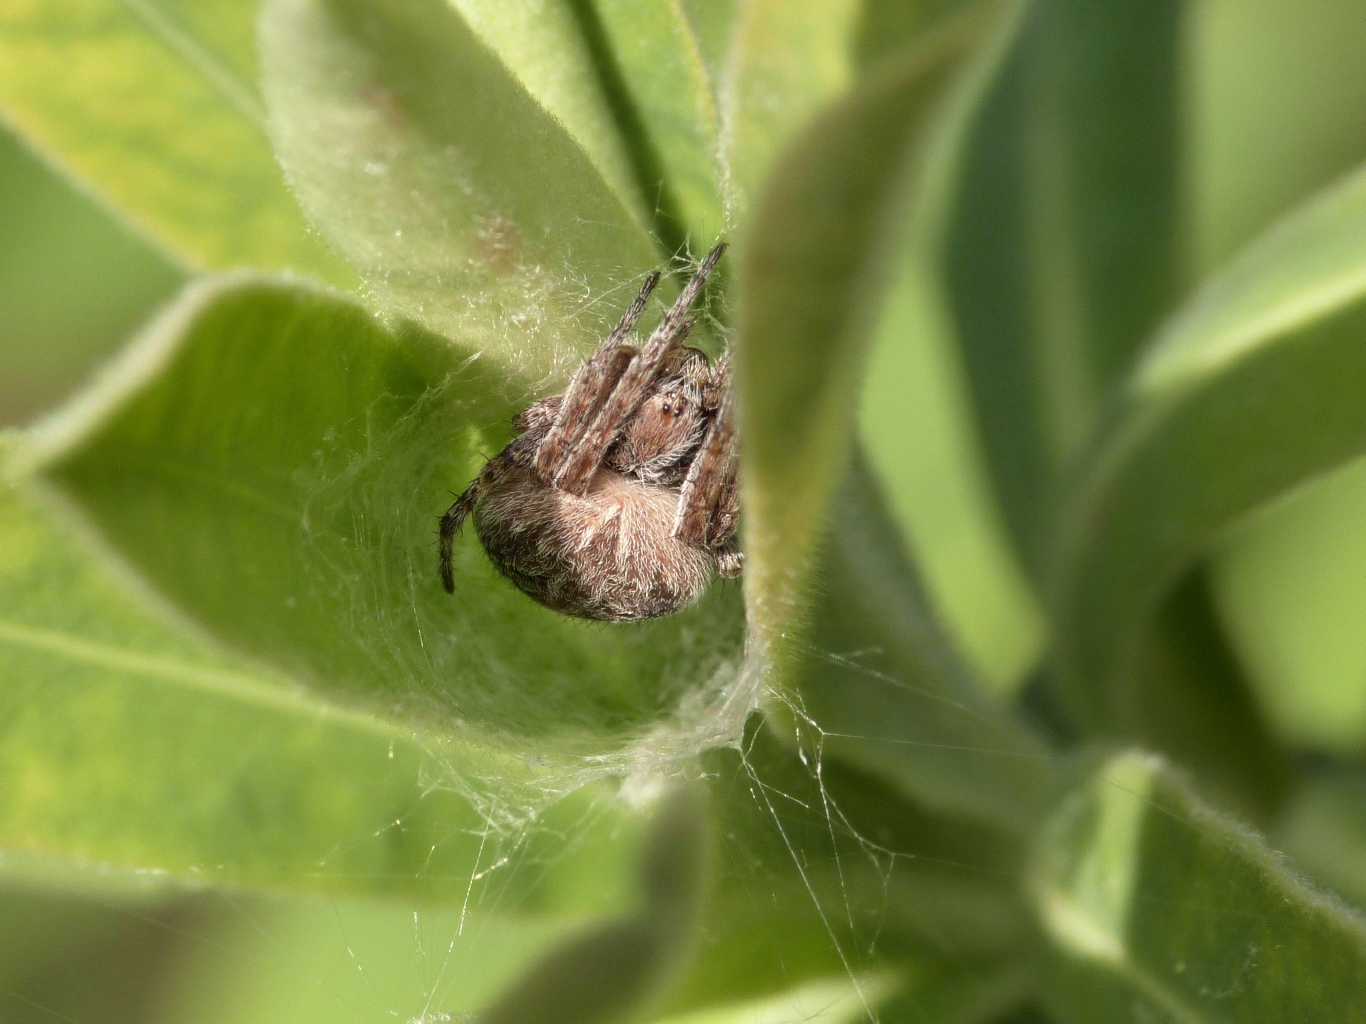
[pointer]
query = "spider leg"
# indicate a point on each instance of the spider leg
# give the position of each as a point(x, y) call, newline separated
point(587, 452)
point(716, 383)
point(450, 526)
point(725, 520)
point(730, 561)
point(709, 504)
point(590, 388)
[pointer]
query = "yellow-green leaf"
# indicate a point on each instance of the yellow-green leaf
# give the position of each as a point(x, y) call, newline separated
point(151, 105)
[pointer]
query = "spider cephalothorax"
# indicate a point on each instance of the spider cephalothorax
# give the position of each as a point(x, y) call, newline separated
point(618, 499)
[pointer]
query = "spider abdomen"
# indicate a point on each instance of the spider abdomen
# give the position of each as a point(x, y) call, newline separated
point(618, 500)
point(608, 554)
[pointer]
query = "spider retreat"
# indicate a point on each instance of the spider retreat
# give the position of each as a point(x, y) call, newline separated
point(618, 499)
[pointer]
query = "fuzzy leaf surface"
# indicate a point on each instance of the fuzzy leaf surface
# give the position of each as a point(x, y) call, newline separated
point(1157, 906)
point(298, 453)
point(1324, 829)
point(781, 66)
point(824, 570)
point(550, 55)
point(811, 273)
point(461, 201)
point(629, 82)
point(666, 103)
point(132, 749)
point(154, 106)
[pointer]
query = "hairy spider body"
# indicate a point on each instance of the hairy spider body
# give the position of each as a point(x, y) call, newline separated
point(608, 554)
point(617, 500)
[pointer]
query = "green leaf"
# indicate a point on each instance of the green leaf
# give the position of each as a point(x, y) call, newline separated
point(1287, 583)
point(1246, 394)
point(1060, 231)
point(128, 748)
point(149, 104)
point(551, 57)
point(917, 427)
point(1251, 162)
point(638, 100)
point(126, 944)
point(1185, 698)
point(1064, 243)
point(64, 246)
point(782, 65)
point(915, 408)
point(320, 962)
point(826, 1001)
point(463, 204)
point(1284, 586)
point(926, 989)
point(605, 972)
point(1157, 907)
point(959, 897)
point(1324, 829)
point(959, 990)
point(856, 877)
point(295, 454)
point(810, 273)
point(871, 678)
point(712, 23)
point(651, 61)
point(889, 27)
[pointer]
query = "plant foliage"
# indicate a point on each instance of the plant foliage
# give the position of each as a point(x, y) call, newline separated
point(1033, 385)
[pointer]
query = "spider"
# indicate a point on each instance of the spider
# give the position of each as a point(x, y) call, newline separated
point(617, 500)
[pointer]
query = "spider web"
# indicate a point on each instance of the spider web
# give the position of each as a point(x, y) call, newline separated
point(252, 957)
point(792, 858)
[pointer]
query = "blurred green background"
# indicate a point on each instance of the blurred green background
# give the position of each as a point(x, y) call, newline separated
point(1272, 103)
point(74, 283)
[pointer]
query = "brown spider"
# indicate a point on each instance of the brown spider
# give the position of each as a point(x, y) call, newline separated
point(618, 499)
